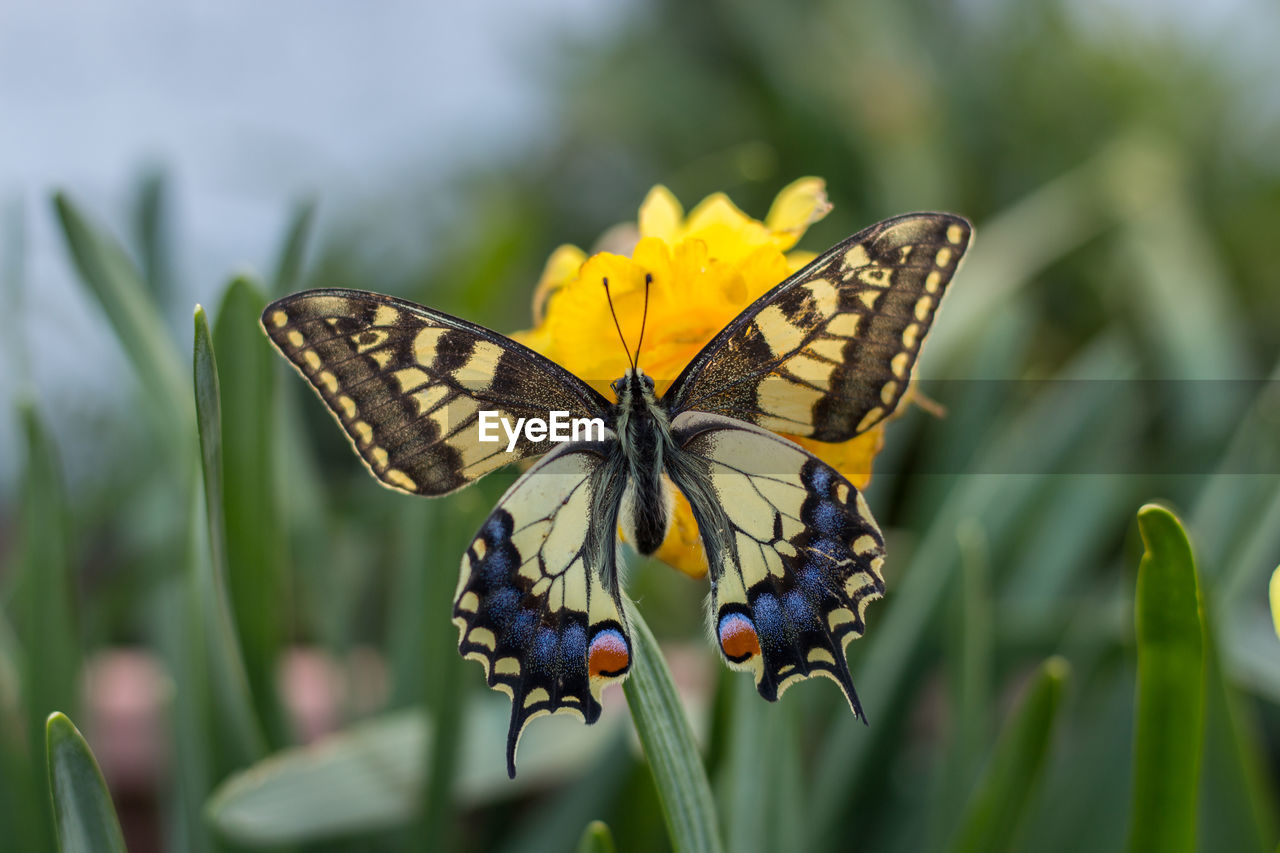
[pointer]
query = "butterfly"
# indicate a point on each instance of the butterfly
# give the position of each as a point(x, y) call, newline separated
point(794, 555)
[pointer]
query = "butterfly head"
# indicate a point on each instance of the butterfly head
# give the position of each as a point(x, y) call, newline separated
point(633, 389)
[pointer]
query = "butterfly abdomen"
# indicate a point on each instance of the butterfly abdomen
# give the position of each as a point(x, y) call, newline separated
point(647, 505)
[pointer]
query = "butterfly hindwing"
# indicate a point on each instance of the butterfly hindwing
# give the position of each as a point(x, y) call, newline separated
point(795, 556)
point(538, 601)
point(407, 384)
point(828, 353)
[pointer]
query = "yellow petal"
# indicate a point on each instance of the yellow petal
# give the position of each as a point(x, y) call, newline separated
point(661, 215)
point(716, 209)
point(561, 268)
point(728, 233)
point(800, 204)
point(1275, 599)
point(797, 261)
point(682, 549)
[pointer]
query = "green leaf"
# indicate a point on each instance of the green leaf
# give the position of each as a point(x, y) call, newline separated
point(1169, 725)
point(1005, 788)
point(668, 743)
point(745, 794)
point(362, 779)
point(119, 289)
point(224, 647)
point(83, 814)
point(370, 776)
point(293, 251)
point(596, 838)
point(255, 547)
point(970, 657)
point(43, 608)
point(1237, 799)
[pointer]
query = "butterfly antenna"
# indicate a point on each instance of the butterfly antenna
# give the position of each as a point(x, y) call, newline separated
point(614, 314)
point(648, 280)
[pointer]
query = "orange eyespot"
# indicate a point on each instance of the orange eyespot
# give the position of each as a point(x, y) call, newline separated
point(608, 655)
point(738, 637)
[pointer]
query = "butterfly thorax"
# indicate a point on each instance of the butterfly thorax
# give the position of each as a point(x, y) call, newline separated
point(644, 434)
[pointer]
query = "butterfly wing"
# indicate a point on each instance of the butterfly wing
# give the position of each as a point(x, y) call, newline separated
point(794, 553)
point(828, 353)
point(538, 601)
point(407, 384)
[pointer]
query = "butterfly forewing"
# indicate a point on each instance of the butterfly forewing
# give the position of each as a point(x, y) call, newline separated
point(828, 353)
point(537, 602)
point(407, 384)
point(795, 556)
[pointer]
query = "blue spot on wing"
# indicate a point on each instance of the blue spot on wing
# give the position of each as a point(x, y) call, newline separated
point(829, 518)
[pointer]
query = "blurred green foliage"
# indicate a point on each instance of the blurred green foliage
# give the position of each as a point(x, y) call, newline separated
point(1126, 218)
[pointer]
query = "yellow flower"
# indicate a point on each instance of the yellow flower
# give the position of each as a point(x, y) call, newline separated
point(706, 267)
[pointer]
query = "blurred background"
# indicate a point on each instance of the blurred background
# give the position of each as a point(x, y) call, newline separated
point(1114, 338)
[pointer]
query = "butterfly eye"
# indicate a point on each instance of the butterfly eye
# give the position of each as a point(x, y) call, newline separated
point(617, 385)
point(607, 657)
point(738, 638)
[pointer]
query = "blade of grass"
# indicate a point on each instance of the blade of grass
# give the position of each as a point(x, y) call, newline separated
point(760, 811)
point(293, 251)
point(44, 615)
point(442, 672)
point(1237, 799)
point(1000, 799)
point(115, 283)
point(1169, 719)
point(1180, 286)
point(668, 744)
point(233, 692)
point(596, 838)
point(970, 655)
point(1069, 816)
point(13, 328)
point(745, 794)
point(83, 814)
point(151, 217)
point(254, 543)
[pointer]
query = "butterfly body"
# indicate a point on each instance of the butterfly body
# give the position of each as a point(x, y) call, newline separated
point(794, 555)
point(646, 443)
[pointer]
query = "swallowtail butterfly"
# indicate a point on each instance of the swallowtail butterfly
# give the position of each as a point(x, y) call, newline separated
point(794, 553)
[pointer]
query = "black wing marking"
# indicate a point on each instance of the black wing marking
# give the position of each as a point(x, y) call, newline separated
point(538, 600)
point(795, 556)
point(407, 383)
point(828, 353)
